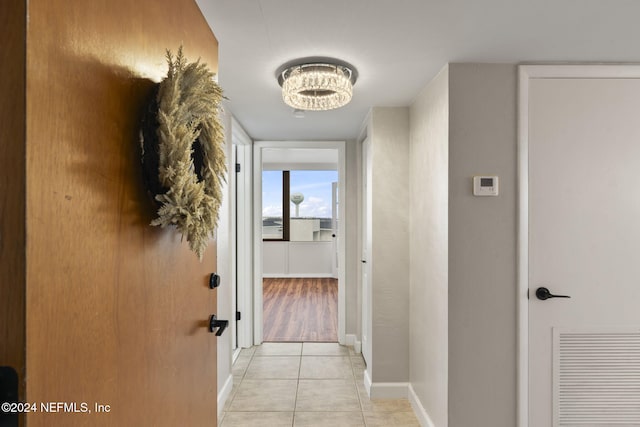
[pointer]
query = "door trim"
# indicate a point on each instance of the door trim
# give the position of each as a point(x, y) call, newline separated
point(365, 283)
point(244, 237)
point(257, 230)
point(526, 73)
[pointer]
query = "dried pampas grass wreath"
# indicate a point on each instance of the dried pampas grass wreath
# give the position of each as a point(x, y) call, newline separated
point(183, 159)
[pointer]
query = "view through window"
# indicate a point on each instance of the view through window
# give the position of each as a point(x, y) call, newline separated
point(298, 205)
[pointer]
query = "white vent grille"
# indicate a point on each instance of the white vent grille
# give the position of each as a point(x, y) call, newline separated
point(596, 378)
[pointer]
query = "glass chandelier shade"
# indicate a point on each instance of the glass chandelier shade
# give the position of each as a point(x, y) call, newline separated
point(317, 86)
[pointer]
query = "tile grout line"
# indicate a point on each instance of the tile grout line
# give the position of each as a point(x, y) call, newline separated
point(295, 401)
point(242, 378)
point(355, 381)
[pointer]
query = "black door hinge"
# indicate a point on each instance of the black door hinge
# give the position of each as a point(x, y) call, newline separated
point(238, 315)
point(237, 167)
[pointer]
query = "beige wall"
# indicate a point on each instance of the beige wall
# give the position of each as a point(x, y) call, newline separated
point(389, 133)
point(463, 298)
point(482, 246)
point(353, 313)
point(429, 148)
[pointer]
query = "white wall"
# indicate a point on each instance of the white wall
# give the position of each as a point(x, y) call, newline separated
point(429, 151)
point(389, 135)
point(304, 229)
point(482, 246)
point(297, 259)
point(225, 251)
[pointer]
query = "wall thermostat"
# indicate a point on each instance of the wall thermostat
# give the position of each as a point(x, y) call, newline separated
point(485, 185)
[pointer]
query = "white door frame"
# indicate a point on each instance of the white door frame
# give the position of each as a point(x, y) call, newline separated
point(257, 229)
point(244, 237)
point(527, 73)
point(366, 257)
point(335, 202)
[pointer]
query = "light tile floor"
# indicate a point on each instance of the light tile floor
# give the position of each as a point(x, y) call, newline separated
point(307, 384)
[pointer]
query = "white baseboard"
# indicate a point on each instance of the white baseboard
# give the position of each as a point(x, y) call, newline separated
point(398, 391)
point(389, 390)
point(224, 394)
point(350, 340)
point(235, 355)
point(367, 382)
point(385, 390)
point(418, 409)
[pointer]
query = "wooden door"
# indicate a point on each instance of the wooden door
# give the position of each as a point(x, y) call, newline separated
point(584, 241)
point(116, 310)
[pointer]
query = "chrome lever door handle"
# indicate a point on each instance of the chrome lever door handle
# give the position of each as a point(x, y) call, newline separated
point(543, 294)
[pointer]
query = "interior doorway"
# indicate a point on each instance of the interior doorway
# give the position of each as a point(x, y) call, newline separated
point(299, 242)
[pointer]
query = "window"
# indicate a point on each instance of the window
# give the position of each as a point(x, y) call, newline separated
point(274, 193)
point(299, 205)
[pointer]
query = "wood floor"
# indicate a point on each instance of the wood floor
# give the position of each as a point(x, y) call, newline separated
point(300, 310)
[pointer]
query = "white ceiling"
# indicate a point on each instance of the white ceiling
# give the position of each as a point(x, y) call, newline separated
point(397, 46)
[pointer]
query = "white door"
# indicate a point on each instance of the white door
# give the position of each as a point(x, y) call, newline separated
point(233, 239)
point(244, 238)
point(584, 242)
point(367, 209)
point(334, 229)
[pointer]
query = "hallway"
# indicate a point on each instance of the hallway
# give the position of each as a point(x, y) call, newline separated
point(307, 384)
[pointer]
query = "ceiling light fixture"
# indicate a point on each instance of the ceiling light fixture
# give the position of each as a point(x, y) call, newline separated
point(318, 85)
